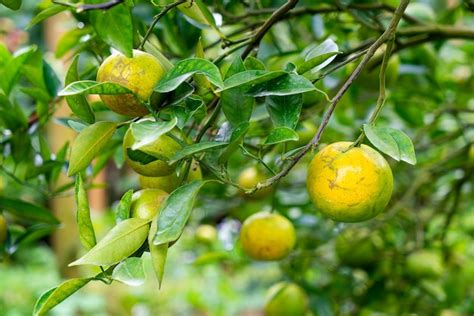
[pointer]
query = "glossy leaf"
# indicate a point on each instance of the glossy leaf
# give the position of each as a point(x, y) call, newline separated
point(88, 144)
point(175, 211)
point(119, 243)
point(114, 26)
point(27, 210)
point(196, 148)
point(237, 106)
point(236, 139)
point(158, 253)
point(11, 72)
point(93, 87)
point(392, 142)
point(251, 78)
point(123, 208)
point(284, 85)
point(143, 157)
point(146, 132)
point(83, 215)
point(78, 103)
point(184, 69)
point(130, 271)
point(46, 13)
point(285, 110)
point(252, 63)
point(56, 295)
point(11, 4)
point(236, 67)
point(319, 56)
point(281, 135)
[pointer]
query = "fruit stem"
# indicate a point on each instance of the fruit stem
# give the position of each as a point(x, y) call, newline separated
point(382, 93)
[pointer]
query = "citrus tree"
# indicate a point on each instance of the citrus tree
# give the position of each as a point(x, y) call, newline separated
point(298, 119)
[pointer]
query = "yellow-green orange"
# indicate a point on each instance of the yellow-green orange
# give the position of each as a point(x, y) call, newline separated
point(357, 247)
point(3, 229)
point(146, 203)
point(171, 182)
point(249, 178)
point(206, 234)
point(286, 298)
point(164, 147)
point(349, 185)
point(139, 73)
point(267, 236)
point(425, 263)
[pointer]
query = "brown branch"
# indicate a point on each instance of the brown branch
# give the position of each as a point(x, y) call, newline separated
point(275, 17)
point(389, 32)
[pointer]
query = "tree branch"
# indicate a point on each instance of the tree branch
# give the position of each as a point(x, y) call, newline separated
point(389, 32)
point(156, 18)
point(275, 17)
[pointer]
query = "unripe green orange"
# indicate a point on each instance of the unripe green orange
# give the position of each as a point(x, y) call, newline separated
point(425, 263)
point(164, 146)
point(139, 73)
point(249, 178)
point(349, 185)
point(171, 182)
point(267, 236)
point(356, 247)
point(286, 298)
point(146, 203)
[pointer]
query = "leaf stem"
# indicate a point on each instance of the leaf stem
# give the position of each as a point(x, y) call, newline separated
point(382, 93)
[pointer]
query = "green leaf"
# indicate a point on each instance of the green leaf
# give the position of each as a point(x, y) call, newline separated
point(198, 12)
point(32, 234)
point(11, 72)
point(196, 148)
point(27, 210)
point(88, 144)
point(119, 243)
point(69, 40)
point(56, 295)
point(185, 69)
point(252, 63)
point(237, 106)
point(78, 103)
point(123, 208)
point(84, 222)
point(319, 56)
point(158, 253)
point(11, 115)
point(142, 157)
point(155, 51)
point(46, 13)
point(146, 132)
point(93, 87)
point(236, 67)
point(281, 135)
point(284, 110)
point(392, 142)
point(284, 85)
point(130, 271)
point(11, 4)
point(114, 26)
point(236, 139)
point(251, 78)
point(175, 211)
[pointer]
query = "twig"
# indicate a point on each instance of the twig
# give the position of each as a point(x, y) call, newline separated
point(275, 17)
point(156, 18)
point(381, 98)
point(389, 32)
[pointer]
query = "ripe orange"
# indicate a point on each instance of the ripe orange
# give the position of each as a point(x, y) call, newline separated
point(139, 73)
point(267, 236)
point(349, 185)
